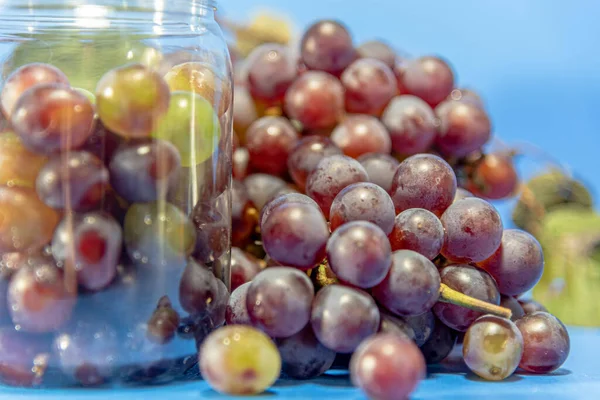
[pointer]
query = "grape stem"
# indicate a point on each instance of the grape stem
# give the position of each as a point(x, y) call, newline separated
point(449, 295)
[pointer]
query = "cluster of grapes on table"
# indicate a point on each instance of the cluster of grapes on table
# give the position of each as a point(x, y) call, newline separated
point(363, 234)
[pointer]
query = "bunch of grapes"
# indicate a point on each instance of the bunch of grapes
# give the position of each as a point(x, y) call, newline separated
point(363, 232)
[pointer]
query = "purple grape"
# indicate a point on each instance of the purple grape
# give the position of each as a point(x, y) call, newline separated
point(271, 70)
point(284, 199)
point(359, 253)
point(244, 267)
point(269, 141)
point(342, 317)
point(361, 134)
point(429, 77)
point(531, 306)
point(261, 187)
point(212, 232)
point(76, 181)
point(369, 85)
point(418, 230)
point(237, 311)
point(513, 305)
point(243, 214)
point(279, 301)
point(198, 290)
point(23, 358)
point(422, 325)
point(412, 285)
point(102, 143)
point(302, 356)
point(327, 46)
point(546, 342)
point(440, 343)
point(380, 168)
point(305, 157)
point(462, 194)
point(392, 324)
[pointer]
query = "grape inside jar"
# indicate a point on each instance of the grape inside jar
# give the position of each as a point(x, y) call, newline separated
point(118, 218)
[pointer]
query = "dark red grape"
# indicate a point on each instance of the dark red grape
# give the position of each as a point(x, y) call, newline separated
point(279, 301)
point(387, 367)
point(513, 305)
point(392, 324)
point(244, 267)
point(144, 171)
point(316, 100)
point(198, 289)
point(76, 181)
point(361, 134)
point(302, 356)
point(331, 175)
point(307, 154)
point(369, 85)
point(378, 50)
point(380, 168)
point(429, 78)
point(342, 317)
point(422, 325)
point(462, 194)
point(295, 234)
point(363, 201)
point(285, 199)
point(473, 282)
point(261, 187)
point(327, 46)
point(359, 253)
point(23, 358)
point(271, 70)
point(463, 128)
point(473, 230)
point(270, 141)
point(243, 214)
point(411, 125)
point(237, 311)
point(494, 177)
point(212, 233)
point(531, 306)
point(424, 181)
point(439, 345)
point(102, 143)
point(546, 342)
point(419, 230)
point(518, 263)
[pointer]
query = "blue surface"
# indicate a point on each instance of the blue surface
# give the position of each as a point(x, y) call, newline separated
point(579, 378)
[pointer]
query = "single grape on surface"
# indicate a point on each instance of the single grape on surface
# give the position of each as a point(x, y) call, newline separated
point(419, 230)
point(18, 165)
point(239, 360)
point(493, 347)
point(387, 367)
point(269, 141)
point(429, 78)
point(369, 85)
point(271, 71)
point(306, 155)
point(380, 168)
point(361, 134)
point(546, 342)
point(327, 46)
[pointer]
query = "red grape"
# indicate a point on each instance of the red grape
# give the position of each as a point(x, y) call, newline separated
point(378, 50)
point(243, 214)
point(244, 267)
point(392, 324)
point(327, 46)
point(237, 311)
point(241, 163)
point(473, 230)
point(270, 141)
point(102, 143)
point(424, 181)
point(285, 198)
point(361, 134)
point(380, 168)
point(466, 96)
point(418, 230)
point(411, 124)
point(369, 85)
point(244, 111)
point(271, 71)
point(261, 188)
point(387, 367)
point(211, 229)
point(363, 201)
point(307, 154)
point(513, 305)
point(423, 325)
point(494, 177)
point(429, 78)
point(462, 194)
point(439, 344)
point(198, 290)
point(531, 306)
point(546, 342)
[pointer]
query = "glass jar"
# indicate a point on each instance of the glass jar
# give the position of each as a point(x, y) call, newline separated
point(115, 174)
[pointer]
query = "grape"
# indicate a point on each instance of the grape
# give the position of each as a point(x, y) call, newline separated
point(261, 187)
point(411, 125)
point(423, 181)
point(466, 96)
point(295, 234)
point(513, 305)
point(518, 263)
point(342, 317)
point(198, 289)
point(359, 253)
point(163, 323)
point(279, 301)
point(327, 46)
point(306, 155)
point(23, 358)
point(241, 163)
point(271, 71)
point(18, 165)
point(546, 342)
point(363, 201)
point(429, 78)
point(26, 224)
point(51, 117)
point(316, 100)
point(239, 360)
point(361, 134)
point(38, 297)
point(102, 143)
point(192, 126)
point(270, 141)
point(412, 285)
point(494, 177)
point(418, 230)
point(392, 324)
point(471, 281)
point(158, 234)
point(330, 176)
point(380, 168)
point(439, 344)
point(88, 353)
point(212, 233)
point(91, 244)
point(285, 199)
point(423, 326)
point(369, 85)
point(24, 78)
point(143, 171)
point(473, 230)
point(378, 50)
point(200, 78)
point(243, 214)
point(237, 311)
point(244, 267)
point(131, 99)
point(244, 110)
point(303, 357)
point(531, 306)
point(463, 128)
point(74, 181)
point(493, 347)
point(387, 367)
point(462, 194)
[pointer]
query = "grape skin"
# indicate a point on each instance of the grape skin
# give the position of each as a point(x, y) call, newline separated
point(237, 311)
point(494, 177)
point(261, 187)
point(18, 165)
point(270, 141)
point(514, 306)
point(361, 134)
point(395, 325)
point(429, 78)
point(378, 50)
point(327, 46)
point(380, 169)
point(419, 230)
point(531, 306)
point(546, 342)
point(244, 267)
point(423, 325)
point(285, 199)
point(307, 154)
point(271, 71)
point(369, 85)
point(439, 344)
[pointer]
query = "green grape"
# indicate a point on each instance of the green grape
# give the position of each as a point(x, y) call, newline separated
point(239, 360)
point(192, 126)
point(18, 165)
